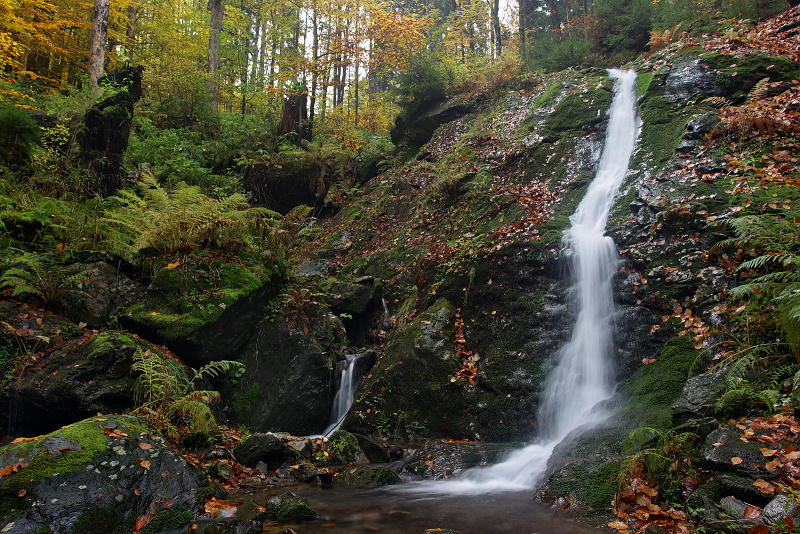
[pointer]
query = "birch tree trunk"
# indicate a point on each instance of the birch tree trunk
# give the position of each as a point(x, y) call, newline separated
point(99, 40)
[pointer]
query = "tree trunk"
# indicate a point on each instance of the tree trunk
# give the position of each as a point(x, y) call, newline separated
point(498, 40)
point(217, 13)
point(97, 46)
point(130, 32)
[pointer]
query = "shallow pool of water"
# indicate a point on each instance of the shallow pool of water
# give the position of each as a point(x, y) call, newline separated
point(394, 511)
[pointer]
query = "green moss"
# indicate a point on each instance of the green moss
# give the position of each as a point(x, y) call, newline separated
point(288, 507)
point(344, 445)
point(168, 519)
point(369, 477)
point(98, 521)
point(178, 304)
point(242, 404)
point(106, 342)
point(578, 111)
point(87, 439)
point(653, 388)
point(746, 72)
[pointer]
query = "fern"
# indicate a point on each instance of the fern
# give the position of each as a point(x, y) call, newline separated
point(42, 279)
point(760, 90)
point(164, 220)
point(163, 389)
point(774, 242)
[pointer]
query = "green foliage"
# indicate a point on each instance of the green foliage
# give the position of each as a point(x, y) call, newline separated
point(774, 291)
point(426, 79)
point(552, 53)
point(164, 389)
point(18, 135)
point(41, 278)
point(165, 220)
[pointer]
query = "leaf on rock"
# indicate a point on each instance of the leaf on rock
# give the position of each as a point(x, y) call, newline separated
point(736, 460)
point(751, 512)
point(764, 487)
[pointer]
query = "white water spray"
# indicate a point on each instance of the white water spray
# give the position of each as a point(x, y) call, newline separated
point(583, 376)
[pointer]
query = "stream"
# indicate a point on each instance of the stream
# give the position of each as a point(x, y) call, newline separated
point(389, 511)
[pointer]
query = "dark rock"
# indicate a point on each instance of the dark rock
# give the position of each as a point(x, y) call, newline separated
point(307, 472)
point(101, 292)
point(440, 461)
point(724, 443)
point(419, 128)
point(75, 381)
point(367, 477)
point(780, 507)
point(289, 507)
point(733, 507)
point(288, 380)
point(699, 128)
point(688, 78)
point(352, 299)
point(374, 452)
point(699, 396)
point(702, 427)
point(97, 475)
point(268, 448)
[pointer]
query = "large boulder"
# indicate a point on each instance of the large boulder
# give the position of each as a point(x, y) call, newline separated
point(412, 382)
point(97, 475)
point(288, 380)
point(268, 448)
point(206, 312)
point(101, 291)
point(87, 376)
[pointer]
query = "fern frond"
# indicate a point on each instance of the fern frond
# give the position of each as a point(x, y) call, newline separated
point(217, 368)
point(760, 90)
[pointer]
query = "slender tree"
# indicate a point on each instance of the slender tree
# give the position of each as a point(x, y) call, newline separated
point(99, 41)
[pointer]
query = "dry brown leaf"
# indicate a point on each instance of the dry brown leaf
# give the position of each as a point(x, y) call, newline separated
point(736, 460)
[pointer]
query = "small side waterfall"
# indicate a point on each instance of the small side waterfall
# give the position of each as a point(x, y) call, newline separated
point(583, 376)
point(344, 396)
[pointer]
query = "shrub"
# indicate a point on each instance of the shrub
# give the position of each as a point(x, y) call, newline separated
point(18, 135)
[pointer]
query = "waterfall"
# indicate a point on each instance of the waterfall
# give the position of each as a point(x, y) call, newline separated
point(583, 376)
point(344, 396)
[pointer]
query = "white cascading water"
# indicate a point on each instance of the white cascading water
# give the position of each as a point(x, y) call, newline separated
point(344, 396)
point(583, 376)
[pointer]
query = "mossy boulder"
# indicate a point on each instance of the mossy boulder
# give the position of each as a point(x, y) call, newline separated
point(100, 473)
point(87, 376)
point(343, 448)
point(290, 507)
point(288, 381)
point(206, 309)
point(367, 477)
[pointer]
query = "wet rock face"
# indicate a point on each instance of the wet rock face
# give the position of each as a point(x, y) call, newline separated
point(288, 380)
point(688, 77)
point(97, 475)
